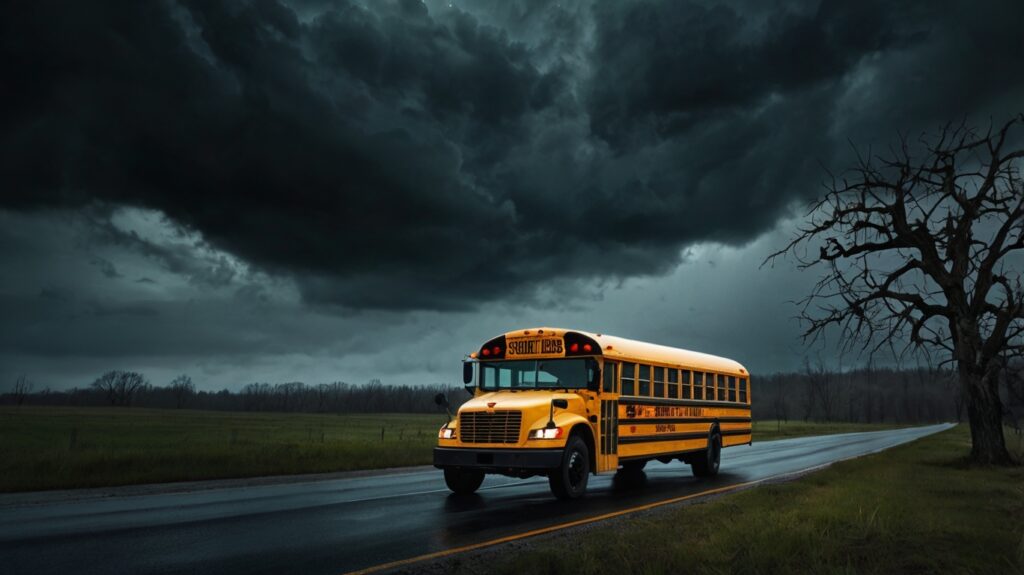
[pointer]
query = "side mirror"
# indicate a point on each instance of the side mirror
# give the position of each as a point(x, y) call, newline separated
point(593, 379)
point(441, 400)
point(560, 404)
point(467, 372)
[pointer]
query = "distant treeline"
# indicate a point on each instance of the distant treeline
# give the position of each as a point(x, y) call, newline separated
point(127, 388)
point(866, 395)
point(874, 395)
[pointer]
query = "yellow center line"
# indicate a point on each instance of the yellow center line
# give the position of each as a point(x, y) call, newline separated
point(543, 530)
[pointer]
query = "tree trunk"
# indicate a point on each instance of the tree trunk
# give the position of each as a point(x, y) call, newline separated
point(985, 414)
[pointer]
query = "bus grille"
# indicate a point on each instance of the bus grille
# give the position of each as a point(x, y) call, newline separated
point(483, 427)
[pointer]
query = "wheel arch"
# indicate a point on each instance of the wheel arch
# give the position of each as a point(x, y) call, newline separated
point(715, 426)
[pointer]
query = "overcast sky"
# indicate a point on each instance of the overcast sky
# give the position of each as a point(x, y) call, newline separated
point(340, 190)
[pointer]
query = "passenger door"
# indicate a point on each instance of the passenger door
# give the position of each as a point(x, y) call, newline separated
point(608, 419)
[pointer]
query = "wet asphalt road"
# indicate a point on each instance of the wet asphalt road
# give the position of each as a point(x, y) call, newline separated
point(332, 526)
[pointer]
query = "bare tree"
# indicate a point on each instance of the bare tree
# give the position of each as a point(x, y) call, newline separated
point(182, 389)
point(22, 389)
point(119, 386)
point(821, 391)
point(914, 257)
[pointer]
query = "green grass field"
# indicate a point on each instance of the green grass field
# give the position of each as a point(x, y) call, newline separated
point(916, 508)
point(52, 448)
point(55, 448)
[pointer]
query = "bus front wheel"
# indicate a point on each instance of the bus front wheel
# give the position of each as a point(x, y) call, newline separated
point(463, 482)
point(569, 480)
point(706, 464)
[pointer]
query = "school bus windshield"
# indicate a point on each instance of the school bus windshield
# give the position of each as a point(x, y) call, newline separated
point(535, 374)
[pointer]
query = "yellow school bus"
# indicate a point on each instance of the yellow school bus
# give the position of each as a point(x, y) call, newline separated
point(566, 403)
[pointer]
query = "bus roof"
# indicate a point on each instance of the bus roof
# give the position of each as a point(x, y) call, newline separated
point(622, 348)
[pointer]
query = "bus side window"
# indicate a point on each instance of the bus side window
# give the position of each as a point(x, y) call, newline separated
point(627, 378)
point(732, 388)
point(644, 380)
point(698, 385)
point(659, 381)
point(609, 377)
point(685, 379)
point(714, 385)
point(743, 390)
point(673, 383)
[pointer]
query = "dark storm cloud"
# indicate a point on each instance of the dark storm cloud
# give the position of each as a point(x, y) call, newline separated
point(667, 66)
point(396, 155)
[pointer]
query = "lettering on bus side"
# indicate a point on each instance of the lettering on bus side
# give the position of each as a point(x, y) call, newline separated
point(651, 411)
point(677, 411)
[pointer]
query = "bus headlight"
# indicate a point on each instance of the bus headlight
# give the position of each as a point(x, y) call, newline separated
point(546, 433)
point(446, 433)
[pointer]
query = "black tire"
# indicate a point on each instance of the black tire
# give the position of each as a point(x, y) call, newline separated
point(462, 481)
point(706, 464)
point(630, 476)
point(569, 480)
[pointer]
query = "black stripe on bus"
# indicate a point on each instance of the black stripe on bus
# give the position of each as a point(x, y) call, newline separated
point(678, 436)
point(627, 400)
point(663, 437)
point(643, 420)
point(657, 455)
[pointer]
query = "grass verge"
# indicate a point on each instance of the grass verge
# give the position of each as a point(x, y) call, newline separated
point(916, 508)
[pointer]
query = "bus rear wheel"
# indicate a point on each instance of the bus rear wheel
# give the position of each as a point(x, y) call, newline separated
point(463, 482)
point(706, 464)
point(569, 480)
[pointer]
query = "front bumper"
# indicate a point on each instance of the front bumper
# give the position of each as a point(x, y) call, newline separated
point(499, 460)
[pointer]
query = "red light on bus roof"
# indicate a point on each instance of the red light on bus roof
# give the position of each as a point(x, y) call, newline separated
point(497, 350)
point(574, 347)
point(586, 347)
point(486, 352)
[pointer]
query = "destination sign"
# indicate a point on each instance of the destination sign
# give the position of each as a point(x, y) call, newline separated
point(535, 347)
